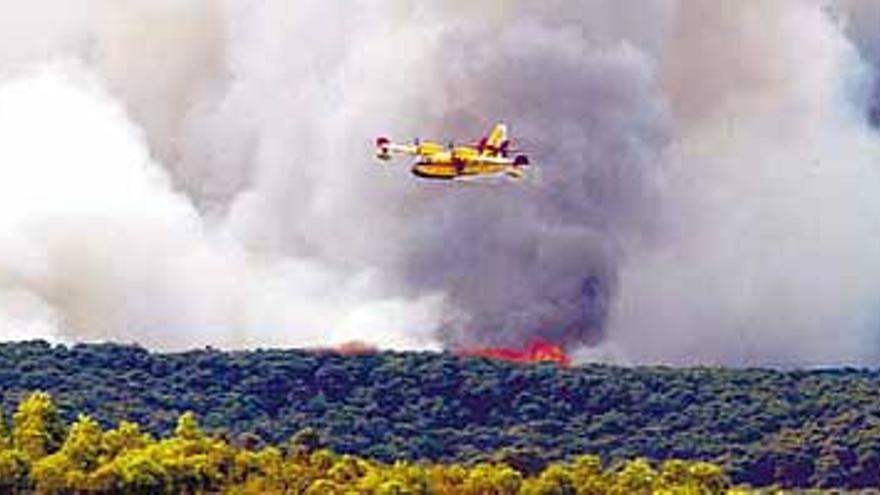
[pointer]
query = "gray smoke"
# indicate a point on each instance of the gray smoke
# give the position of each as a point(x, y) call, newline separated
point(185, 173)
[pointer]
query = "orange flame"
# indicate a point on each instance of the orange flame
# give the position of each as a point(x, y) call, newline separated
point(537, 351)
point(350, 348)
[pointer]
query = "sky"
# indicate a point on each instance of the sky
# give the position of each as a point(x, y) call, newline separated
point(188, 173)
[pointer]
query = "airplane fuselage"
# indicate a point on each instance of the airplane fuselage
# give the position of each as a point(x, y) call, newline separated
point(452, 170)
point(437, 162)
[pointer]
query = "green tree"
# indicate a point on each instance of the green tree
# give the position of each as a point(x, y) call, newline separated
point(125, 437)
point(52, 474)
point(5, 440)
point(588, 476)
point(38, 430)
point(188, 427)
point(636, 477)
point(492, 479)
point(324, 487)
point(555, 480)
point(14, 471)
point(305, 441)
point(140, 471)
point(70, 467)
point(709, 477)
point(83, 444)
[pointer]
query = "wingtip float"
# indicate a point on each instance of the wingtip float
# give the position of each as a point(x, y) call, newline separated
point(491, 155)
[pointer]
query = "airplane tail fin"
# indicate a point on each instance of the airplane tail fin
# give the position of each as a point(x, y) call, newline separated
point(496, 143)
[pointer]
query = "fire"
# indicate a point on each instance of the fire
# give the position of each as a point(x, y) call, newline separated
point(350, 348)
point(537, 351)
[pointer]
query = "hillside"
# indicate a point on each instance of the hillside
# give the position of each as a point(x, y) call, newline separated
point(797, 428)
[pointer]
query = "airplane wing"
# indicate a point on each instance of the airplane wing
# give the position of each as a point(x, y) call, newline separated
point(516, 161)
point(490, 165)
point(385, 148)
point(492, 160)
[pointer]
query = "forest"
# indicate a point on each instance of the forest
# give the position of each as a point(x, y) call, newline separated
point(40, 454)
point(762, 427)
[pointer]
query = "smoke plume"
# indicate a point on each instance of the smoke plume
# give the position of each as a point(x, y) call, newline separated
point(201, 173)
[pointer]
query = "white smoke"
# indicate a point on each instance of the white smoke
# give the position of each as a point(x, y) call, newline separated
point(190, 173)
point(96, 245)
point(772, 254)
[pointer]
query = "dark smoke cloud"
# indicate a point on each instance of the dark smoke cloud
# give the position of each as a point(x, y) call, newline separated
point(515, 260)
point(703, 189)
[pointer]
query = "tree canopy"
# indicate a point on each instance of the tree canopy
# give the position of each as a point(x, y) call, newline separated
point(125, 461)
point(763, 427)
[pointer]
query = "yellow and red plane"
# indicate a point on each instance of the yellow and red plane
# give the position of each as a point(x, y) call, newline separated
point(491, 156)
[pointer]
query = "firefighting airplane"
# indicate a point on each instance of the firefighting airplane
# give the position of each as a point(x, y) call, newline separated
point(491, 156)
